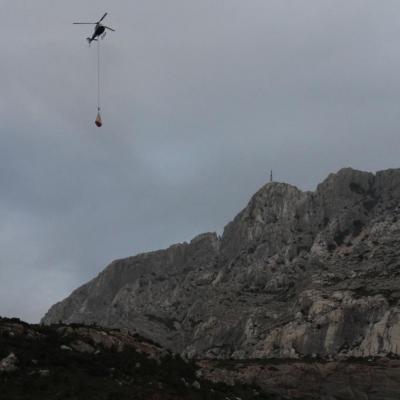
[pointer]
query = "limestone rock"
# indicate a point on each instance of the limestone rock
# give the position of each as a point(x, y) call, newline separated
point(9, 364)
point(196, 385)
point(82, 347)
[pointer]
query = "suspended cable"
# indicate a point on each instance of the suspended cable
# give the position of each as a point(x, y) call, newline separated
point(98, 121)
point(98, 75)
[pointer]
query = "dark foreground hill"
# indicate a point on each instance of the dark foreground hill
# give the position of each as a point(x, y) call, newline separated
point(78, 362)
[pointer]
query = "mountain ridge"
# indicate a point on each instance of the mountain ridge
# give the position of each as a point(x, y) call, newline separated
point(294, 274)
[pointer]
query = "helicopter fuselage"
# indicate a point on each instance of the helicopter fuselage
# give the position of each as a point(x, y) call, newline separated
point(98, 31)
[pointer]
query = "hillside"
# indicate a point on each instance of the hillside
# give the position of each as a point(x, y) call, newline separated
point(80, 362)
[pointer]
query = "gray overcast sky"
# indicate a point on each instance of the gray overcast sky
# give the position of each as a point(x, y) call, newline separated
point(201, 99)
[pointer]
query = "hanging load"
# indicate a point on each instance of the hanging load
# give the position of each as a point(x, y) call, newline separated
point(98, 121)
point(99, 31)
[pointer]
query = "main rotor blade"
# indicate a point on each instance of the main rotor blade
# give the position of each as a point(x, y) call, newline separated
point(105, 15)
point(111, 29)
point(84, 23)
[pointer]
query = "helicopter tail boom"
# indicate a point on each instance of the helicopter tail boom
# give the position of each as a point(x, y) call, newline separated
point(90, 40)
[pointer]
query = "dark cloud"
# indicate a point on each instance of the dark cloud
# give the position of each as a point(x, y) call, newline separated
point(200, 100)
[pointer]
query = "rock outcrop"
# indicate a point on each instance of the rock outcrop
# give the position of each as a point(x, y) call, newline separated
point(9, 363)
point(295, 274)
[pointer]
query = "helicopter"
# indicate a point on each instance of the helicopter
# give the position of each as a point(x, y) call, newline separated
point(99, 29)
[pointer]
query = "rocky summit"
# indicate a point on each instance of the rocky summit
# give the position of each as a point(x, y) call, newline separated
point(295, 275)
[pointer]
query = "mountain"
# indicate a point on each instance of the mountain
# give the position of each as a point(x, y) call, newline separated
point(295, 275)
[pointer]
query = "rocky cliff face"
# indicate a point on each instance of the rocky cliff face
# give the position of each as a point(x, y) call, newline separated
point(295, 274)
